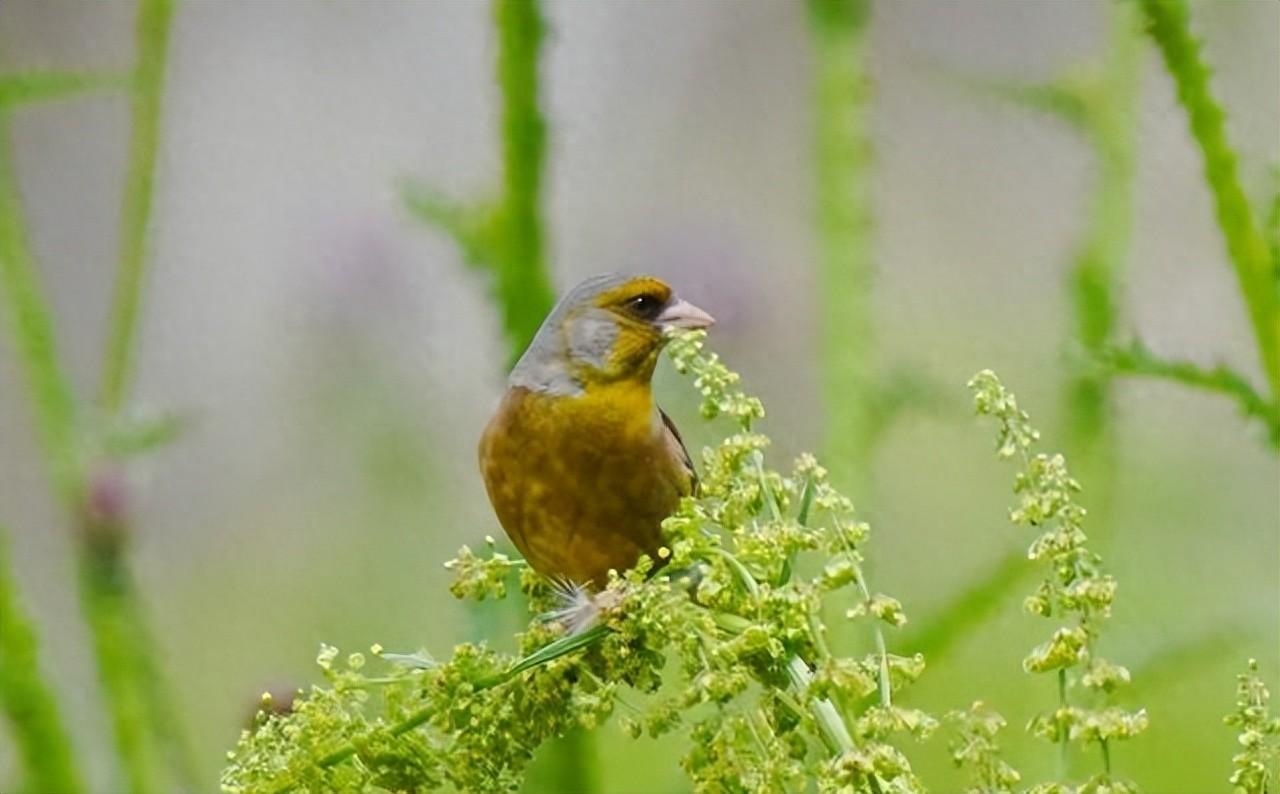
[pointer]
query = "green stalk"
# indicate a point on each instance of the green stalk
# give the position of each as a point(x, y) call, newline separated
point(1169, 24)
point(31, 87)
point(843, 155)
point(523, 287)
point(27, 701)
point(1109, 122)
point(506, 237)
point(31, 328)
point(1136, 360)
point(136, 698)
point(152, 30)
point(1064, 748)
point(106, 596)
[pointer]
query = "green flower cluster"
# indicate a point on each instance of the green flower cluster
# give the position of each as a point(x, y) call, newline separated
point(726, 642)
point(1259, 736)
point(1076, 591)
point(976, 746)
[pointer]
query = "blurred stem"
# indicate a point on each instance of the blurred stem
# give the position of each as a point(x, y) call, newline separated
point(1109, 121)
point(27, 701)
point(120, 606)
point(30, 87)
point(1169, 25)
point(1064, 760)
point(506, 237)
point(523, 285)
point(152, 31)
point(137, 697)
point(31, 328)
point(843, 154)
point(107, 598)
point(1137, 360)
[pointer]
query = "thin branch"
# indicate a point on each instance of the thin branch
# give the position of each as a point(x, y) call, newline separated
point(109, 604)
point(506, 238)
point(153, 26)
point(138, 701)
point(1136, 359)
point(31, 328)
point(472, 227)
point(1102, 254)
point(1169, 24)
point(29, 88)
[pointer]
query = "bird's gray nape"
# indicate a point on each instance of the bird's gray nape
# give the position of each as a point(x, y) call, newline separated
point(543, 367)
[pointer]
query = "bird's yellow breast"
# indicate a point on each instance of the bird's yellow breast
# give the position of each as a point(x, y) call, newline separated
point(582, 483)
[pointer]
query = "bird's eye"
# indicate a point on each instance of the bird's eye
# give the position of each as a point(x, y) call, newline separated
point(646, 306)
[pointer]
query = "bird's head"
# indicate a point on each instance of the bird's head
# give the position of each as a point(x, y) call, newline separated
point(607, 328)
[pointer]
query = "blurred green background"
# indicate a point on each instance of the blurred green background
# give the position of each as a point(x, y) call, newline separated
point(336, 360)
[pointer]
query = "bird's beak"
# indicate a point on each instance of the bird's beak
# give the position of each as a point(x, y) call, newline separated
point(683, 314)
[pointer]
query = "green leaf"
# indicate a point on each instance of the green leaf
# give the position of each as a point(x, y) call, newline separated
point(1067, 98)
point(130, 437)
point(473, 227)
point(554, 650)
point(418, 660)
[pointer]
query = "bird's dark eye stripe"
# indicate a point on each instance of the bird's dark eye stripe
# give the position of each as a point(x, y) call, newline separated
point(646, 306)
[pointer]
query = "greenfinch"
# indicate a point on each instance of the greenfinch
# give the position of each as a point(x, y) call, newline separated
point(581, 466)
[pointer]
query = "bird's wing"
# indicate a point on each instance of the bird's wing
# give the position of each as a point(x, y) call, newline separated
point(676, 444)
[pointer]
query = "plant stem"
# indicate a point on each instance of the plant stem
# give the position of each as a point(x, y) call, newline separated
point(826, 715)
point(523, 286)
point(843, 155)
point(152, 27)
point(31, 328)
point(1110, 124)
point(886, 685)
point(152, 30)
point(823, 710)
point(107, 599)
point(30, 87)
point(1169, 24)
point(1063, 761)
point(27, 701)
point(136, 698)
point(1137, 360)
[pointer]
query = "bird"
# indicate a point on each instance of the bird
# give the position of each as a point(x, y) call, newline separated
point(580, 464)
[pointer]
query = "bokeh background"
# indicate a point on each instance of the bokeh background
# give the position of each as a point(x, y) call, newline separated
point(336, 360)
